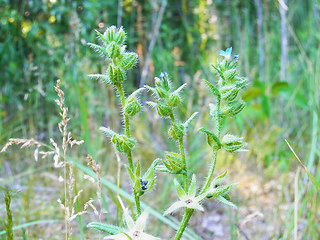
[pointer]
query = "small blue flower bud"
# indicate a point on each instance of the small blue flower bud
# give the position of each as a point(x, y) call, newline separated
point(163, 75)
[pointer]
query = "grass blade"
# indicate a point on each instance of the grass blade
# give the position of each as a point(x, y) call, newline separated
point(24, 225)
point(312, 178)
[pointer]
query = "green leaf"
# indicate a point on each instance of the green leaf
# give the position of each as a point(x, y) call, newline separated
point(180, 191)
point(180, 88)
point(129, 238)
point(107, 131)
point(168, 165)
point(214, 89)
point(138, 170)
point(153, 90)
point(101, 77)
point(193, 186)
point(101, 37)
point(149, 173)
point(186, 124)
point(137, 184)
point(223, 190)
point(218, 71)
point(219, 179)
point(132, 177)
point(152, 104)
point(99, 49)
point(225, 201)
point(163, 168)
point(279, 87)
point(252, 93)
point(111, 229)
point(211, 137)
point(135, 93)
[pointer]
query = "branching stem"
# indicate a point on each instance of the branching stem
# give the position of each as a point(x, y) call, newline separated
point(188, 212)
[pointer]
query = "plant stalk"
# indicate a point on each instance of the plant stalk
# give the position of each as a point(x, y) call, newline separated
point(185, 167)
point(215, 149)
point(185, 175)
point(188, 212)
point(129, 154)
point(186, 217)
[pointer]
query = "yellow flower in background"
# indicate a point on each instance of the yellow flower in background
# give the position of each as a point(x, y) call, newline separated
point(25, 28)
point(52, 19)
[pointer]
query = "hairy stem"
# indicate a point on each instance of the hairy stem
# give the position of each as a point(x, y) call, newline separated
point(185, 176)
point(211, 170)
point(186, 217)
point(181, 147)
point(129, 154)
point(215, 149)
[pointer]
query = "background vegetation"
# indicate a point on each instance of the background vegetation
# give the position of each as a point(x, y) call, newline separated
point(278, 44)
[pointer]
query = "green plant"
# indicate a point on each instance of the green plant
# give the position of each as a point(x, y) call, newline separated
point(8, 225)
point(228, 104)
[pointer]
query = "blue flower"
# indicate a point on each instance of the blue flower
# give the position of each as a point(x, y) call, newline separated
point(236, 57)
point(163, 75)
point(227, 53)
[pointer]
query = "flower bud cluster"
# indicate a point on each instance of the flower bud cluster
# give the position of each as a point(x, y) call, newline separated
point(228, 92)
point(167, 99)
point(230, 84)
point(113, 49)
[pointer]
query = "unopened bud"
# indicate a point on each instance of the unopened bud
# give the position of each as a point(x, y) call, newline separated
point(174, 100)
point(120, 36)
point(233, 108)
point(230, 74)
point(123, 143)
point(229, 92)
point(113, 50)
point(109, 34)
point(115, 74)
point(132, 107)
point(232, 143)
point(164, 110)
point(176, 131)
point(128, 61)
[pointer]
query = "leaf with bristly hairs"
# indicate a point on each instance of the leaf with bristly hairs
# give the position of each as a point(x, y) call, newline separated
point(108, 228)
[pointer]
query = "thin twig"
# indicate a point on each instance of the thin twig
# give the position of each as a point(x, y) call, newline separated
point(242, 232)
point(144, 73)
